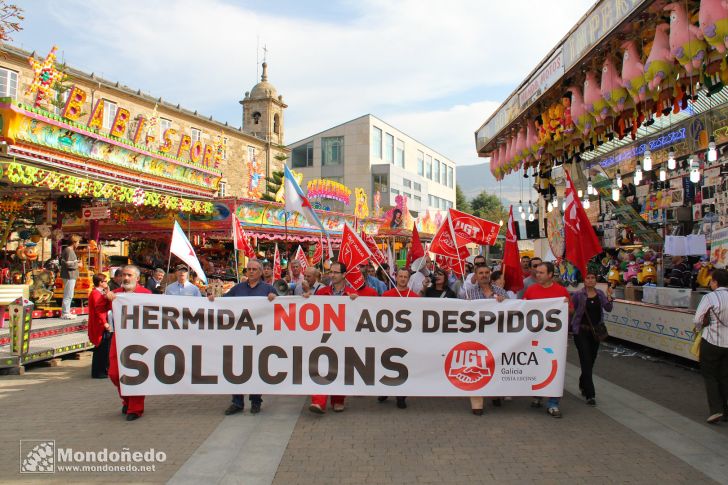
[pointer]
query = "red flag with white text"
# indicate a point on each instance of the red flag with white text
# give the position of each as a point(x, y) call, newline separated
point(580, 239)
point(511, 258)
point(353, 252)
point(318, 253)
point(377, 254)
point(301, 258)
point(416, 250)
point(444, 243)
point(468, 228)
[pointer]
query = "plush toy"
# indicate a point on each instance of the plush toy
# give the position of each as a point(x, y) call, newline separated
point(582, 119)
point(704, 271)
point(595, 103)
point(659, 68)
point(647, 274)
point(613, 90)
point(614, 278)
point(630, 276)
point(633, 73)
point(685, 39)
point(532, 139)
point(713, 19)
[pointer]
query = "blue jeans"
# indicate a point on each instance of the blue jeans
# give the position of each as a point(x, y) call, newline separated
point(553, 402)
point(69, 286)
point(254, 398)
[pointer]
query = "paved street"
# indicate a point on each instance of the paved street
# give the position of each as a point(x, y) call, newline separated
point(648, 428)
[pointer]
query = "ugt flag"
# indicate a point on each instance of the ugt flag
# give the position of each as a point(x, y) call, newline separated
point(181, 247)
point(581, 240)
point(468, 228)
point(353, 252)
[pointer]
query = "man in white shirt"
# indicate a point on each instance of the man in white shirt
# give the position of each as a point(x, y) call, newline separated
point(182, 287)
point(296, 273)
point(471, 281)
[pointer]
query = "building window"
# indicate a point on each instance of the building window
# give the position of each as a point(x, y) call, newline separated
point(420, 163)
point(450, 180)
point(418, 187)
point(251, 153)
point(164, 125)
point(109, 113)
point(276, 124)
point(302, 156)
point(407, 183)
point(436, 171)
point(430, 201)
point(376, 143)
point(195, 134)
point(395, 191)
point(388, 148)
point(443, 174)
point(332, 150)
point(224, 147)
point(60, 100)
point(256, 118)
point(380, 183)
point(408, 195)
point(418, 198)
point(221, 188)
point(428, 166)
point(8, 83)
point(399, 160)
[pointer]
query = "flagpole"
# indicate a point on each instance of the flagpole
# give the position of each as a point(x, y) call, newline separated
point(235, 244)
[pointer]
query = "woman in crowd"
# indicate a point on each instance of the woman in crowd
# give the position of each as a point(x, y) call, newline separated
point(438, 288)
point(589, 306)
point(711, 319)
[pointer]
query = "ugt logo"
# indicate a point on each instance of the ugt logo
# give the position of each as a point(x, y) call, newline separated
point(469, 366)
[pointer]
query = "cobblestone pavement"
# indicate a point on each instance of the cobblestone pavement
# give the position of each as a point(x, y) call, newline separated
point(435, 440)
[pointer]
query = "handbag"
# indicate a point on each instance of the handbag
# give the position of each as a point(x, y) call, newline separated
point(695, 348)
point(598, 331)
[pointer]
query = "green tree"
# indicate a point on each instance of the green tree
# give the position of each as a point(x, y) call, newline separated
point(272, 184)
point(461, 203)
point(488, 206)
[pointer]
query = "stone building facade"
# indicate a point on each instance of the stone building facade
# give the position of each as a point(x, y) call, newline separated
point(248, 153)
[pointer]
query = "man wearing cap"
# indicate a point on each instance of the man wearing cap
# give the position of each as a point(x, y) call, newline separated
point(182, 287)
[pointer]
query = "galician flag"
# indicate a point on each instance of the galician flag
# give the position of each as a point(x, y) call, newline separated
point(181, 247)
point(297, 202)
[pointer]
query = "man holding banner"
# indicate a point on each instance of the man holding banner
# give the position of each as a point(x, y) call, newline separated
point(253, 286)
point(338, 287)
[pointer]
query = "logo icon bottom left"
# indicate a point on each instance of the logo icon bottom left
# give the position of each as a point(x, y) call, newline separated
point(37, 456)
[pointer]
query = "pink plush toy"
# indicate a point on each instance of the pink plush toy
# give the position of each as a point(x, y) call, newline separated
point(613, 90)
point(713, 19)
point(532, 138)
point(632, 270)
point(685, 39)
point(509, 155)
point(633, 73)
point(520, 146)
point(582, 119)
point(659, 66)
point(595, 103)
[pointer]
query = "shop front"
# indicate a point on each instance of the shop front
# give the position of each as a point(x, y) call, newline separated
point(641, 127)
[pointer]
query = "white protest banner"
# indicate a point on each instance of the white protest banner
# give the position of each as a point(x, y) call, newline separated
point(334, 345)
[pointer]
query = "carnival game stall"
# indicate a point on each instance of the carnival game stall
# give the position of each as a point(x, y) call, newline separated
point(632, 103)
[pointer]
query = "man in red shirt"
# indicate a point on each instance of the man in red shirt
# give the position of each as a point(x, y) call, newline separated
point(338, 287)
point(401, 289)
point(133, 406)
point(546, 287)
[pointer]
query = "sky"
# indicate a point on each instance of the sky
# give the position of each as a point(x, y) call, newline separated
point(436, 70)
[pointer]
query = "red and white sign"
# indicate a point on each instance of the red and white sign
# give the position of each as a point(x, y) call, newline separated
point(468, 228)
point(95, 213)
point(444, 243)
point(353, 252)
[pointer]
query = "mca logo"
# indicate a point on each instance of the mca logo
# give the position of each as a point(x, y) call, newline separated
point(469, 366)
point(554, 367)
point(37, 456)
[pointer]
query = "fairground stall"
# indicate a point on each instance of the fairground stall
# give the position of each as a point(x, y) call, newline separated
point(85, 159)
point(632, 103)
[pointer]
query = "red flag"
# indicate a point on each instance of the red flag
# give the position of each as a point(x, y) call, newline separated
point(447, 264)
point(277, 270)
point(444, 243)
point(377, 255)
point(416, 250)
point(240, 239)
point(469, 228)
point(301, 258)
point(511, 258)
point(352, 253)
point(579, 236)
point(318, 253)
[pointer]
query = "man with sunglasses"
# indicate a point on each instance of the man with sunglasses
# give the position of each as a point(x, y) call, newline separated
point(535, 263)
point(253, 286)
